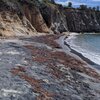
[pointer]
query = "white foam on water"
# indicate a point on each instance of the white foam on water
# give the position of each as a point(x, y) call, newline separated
point(93, 56)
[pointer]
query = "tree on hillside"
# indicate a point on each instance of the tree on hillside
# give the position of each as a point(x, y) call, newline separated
point(90, 8)
point(45, 1)
point(97, 8)
point(94, 8)
point(52, 1)
point(70, 4)
point(83, 7)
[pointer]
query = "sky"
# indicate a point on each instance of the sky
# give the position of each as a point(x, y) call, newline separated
point(76, 3)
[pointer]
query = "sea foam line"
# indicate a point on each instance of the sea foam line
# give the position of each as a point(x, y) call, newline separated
point(93, 56)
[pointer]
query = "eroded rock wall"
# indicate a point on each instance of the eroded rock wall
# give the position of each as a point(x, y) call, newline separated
point(83, 20)
point(26, 17)
point(60, 19)
point(12, 20)
point(34, 16)
point(54, 17)
point(12, 25)
point(20, 17)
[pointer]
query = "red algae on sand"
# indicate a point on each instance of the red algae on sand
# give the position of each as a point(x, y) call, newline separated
point(53, 57)
point(54, 62)
point(35, 83)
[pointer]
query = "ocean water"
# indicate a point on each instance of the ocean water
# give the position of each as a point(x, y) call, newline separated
point(86, 44)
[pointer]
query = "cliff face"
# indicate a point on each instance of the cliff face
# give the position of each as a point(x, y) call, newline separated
point(34, 16)
point(12, 25)
point(12, 21)
point(83, 20)
point(54, 17)
point(26, 17)
point(20, 17)
point(60, 19)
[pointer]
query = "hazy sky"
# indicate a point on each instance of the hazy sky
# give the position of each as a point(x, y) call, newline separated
point(79, 2)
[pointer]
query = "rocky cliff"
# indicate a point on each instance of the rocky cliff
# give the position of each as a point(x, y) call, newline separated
point(54, 17)
point(12, 20)
point(60, 19)
point(26, 17)
point(20, 17)
point(83, 20)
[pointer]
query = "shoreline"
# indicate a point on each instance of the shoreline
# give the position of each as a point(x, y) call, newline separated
point(82, 57)
point(87, 60)
point(76, 53)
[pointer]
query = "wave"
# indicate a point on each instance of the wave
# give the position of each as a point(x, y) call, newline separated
point(87, 53)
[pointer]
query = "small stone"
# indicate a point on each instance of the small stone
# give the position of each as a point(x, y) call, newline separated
point(45, 80)
point(76, 97)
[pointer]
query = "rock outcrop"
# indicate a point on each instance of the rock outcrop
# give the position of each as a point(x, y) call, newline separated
point(54, 17)
point(20, 17)
point(12, 25)
point(60, 19)
point(26, 17)
point(12, 20)
point(83, 20)
point(36, 19)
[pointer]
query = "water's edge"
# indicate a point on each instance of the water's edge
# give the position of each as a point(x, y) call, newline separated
point(93, 64)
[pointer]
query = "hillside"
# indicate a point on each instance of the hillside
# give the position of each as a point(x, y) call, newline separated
point(27, 17)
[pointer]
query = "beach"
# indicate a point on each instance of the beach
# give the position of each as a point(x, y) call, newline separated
point(49, 50)
point(42, 67)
